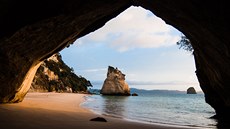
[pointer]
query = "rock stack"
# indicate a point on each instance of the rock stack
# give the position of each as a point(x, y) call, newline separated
point(115, 83)
point(191, 90)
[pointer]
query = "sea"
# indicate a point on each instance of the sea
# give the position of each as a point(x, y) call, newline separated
point(155, 106)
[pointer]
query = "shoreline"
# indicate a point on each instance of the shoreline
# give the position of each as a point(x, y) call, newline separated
point(144, 122)
point(64, 110)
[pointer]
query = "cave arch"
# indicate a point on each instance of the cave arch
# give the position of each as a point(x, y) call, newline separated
point(26, 27)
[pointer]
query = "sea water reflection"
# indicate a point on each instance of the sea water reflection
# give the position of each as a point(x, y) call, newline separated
point(115, 105)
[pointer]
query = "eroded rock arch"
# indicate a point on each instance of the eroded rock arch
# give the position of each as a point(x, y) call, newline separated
point(33, 30)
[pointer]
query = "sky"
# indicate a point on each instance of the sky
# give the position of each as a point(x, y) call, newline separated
point(141, 45)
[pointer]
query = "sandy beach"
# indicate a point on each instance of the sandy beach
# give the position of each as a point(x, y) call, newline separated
point(62, 111)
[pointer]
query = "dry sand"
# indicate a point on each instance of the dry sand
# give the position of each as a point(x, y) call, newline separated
point(62, 111)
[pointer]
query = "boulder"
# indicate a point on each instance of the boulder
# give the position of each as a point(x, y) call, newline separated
point(115, 83)
point(99, 119)
point(191, 90)
point(134, 94)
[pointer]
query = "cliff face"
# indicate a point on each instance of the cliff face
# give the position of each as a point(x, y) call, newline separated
point(55, 76)
point(30, 34)
point(115, 83)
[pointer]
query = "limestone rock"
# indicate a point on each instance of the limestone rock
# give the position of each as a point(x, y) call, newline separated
point(191, 90)
point(115, 83)
point(54, 75)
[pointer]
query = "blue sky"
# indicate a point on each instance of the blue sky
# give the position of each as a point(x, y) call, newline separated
point(141, 45)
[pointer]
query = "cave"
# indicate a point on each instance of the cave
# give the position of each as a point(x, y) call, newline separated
point(32, 31)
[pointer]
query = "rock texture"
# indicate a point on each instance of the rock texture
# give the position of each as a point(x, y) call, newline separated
point(54, 75)
point(191, 90)
point(115, 83)
point(32, 31)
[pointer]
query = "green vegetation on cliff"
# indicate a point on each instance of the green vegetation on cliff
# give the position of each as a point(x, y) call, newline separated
point(55, 75)
point(185, 44)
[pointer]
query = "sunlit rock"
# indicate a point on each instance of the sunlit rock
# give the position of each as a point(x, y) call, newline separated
point(115, 83)
point(55, 76)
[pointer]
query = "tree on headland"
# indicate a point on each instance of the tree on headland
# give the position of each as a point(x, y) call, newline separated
point(55, 75)
point(185, 44)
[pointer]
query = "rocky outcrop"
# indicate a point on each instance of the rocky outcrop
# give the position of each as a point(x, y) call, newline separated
point(33, 31)
point(191, 90)
point(134, 94)
point(30, 34)
point(115, 83)
point(54, 75)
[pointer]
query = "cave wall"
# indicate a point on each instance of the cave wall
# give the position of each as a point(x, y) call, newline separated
point(31, 31)
point(206, 24)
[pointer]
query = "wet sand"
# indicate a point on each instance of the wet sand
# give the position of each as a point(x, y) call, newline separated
point(62, 111)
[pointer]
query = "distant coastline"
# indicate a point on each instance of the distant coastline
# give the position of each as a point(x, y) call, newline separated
point(147, 85)
point(136, 90)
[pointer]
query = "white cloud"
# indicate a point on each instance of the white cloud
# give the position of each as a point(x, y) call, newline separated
point(95, 70)
point(134, 28)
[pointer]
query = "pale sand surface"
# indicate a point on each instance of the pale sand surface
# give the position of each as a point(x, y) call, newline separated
point(62, 111)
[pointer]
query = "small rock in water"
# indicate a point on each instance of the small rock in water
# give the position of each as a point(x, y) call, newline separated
point(134, 94)
point(191, 90)
point(99, 119)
